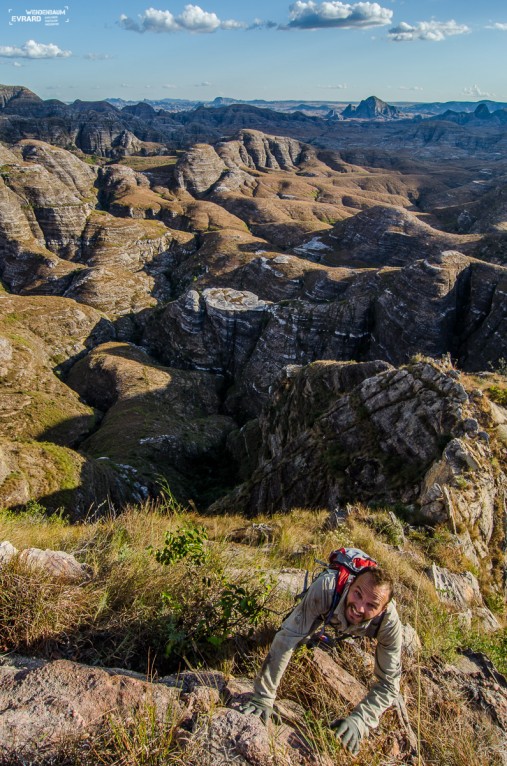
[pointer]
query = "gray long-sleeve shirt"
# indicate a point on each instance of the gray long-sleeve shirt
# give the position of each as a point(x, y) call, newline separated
point(301, 624)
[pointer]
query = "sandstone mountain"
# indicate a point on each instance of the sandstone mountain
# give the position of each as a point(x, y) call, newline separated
point(371, 108)
point(226, 263)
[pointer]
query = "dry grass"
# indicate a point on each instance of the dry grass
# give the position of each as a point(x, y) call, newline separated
point(37, 610)
point(119, 618)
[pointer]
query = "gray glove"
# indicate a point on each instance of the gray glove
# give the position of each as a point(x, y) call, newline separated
point(261, 708)
point(347, 731)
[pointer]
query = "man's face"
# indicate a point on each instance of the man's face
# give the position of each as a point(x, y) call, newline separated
point(365, 600)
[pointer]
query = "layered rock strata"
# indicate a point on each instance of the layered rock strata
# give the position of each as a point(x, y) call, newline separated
point(334, 433)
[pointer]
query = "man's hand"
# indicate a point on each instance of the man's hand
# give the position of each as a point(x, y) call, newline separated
point(261, 708)
point(347, 731)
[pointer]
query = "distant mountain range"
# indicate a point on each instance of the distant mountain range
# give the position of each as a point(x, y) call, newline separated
point(114, 130)
point(319, 108)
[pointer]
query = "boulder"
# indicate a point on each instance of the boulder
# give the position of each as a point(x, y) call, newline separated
point(57, 564)
point(338, 680)
point(7, 552)
point(411, 643)
point(216, 330)
point(46, 705)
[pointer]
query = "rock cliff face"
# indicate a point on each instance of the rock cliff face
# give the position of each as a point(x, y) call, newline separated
point(15, 96)
point(449, 304)
point(387, 236)
point(336, 433)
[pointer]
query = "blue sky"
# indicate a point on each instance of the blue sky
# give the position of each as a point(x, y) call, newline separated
point(399, 50)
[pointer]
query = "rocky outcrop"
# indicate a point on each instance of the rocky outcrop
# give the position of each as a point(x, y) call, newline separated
point(258, 151)
point(386, 236)
point(75, 174)
point(217, 330)
point(199, 170)
point(474, 678)
point(334, 433)
point(460, 306)
point(46, 704)
point(444, 304)
point(463, 592)
point(15, 97)
point(55, 214)
point(49, 705)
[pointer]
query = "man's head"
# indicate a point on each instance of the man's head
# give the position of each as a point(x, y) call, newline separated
point(368, 595)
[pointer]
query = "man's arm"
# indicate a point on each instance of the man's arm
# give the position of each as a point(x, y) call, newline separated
point(366, 715)
point(300, 624)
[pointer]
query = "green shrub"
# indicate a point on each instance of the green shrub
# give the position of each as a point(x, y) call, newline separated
point(205, 606)
point(186, 543)
point(494, 645)
point(498, 395)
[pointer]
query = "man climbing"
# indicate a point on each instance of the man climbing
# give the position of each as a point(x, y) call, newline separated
point(363, 608)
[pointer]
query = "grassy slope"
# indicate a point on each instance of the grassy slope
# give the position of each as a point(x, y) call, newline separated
point(120, 618)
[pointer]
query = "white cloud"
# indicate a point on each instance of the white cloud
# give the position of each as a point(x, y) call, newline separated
point(204, 84)
point(476, 92)
point(500, 25)
point(340, 86)
point(98, 56)
point(410, 87)
point(16, 64)
point(436, 31)
point(169, 86)
point(233, 24)
point(311, 15)
point(191, 19)
point(33, 50)
point(260, 24)
point(195, 19)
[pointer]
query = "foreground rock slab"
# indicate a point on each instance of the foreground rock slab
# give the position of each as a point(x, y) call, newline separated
point(44, 704)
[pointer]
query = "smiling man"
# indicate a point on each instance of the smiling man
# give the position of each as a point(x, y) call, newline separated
point(365, 609)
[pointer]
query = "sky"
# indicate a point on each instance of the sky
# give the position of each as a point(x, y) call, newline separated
point(398, 50)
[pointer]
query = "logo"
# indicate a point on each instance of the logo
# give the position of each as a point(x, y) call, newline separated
point(49, 17)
